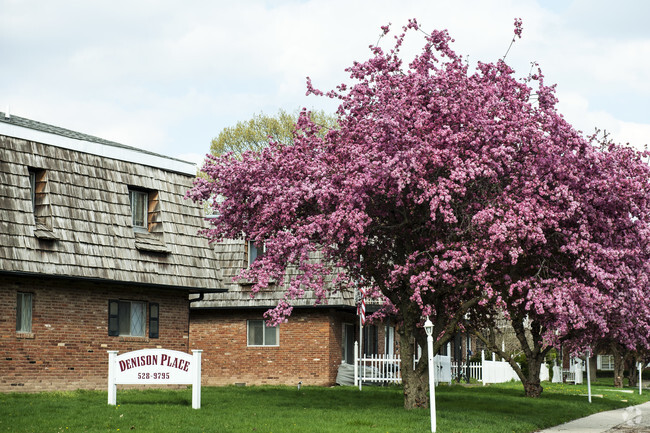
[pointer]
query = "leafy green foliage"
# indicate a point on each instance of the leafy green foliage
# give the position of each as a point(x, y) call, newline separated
point(255, 133)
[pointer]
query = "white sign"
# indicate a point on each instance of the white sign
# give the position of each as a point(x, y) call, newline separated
point(155, 366)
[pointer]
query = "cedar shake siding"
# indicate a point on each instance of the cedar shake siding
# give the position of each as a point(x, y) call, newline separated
point(98, 251)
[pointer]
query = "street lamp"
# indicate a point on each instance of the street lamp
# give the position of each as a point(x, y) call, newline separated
point(428, 328)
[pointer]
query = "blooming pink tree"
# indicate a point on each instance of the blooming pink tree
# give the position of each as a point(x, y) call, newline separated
point(447, 193)
point(581, 276)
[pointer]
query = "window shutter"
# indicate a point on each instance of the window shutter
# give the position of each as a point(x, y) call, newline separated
point(113, 318)
point(154, 313)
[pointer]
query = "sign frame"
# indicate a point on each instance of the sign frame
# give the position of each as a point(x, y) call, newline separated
point(155, 366)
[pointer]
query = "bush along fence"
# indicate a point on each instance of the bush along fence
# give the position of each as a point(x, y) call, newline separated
point(386, 369)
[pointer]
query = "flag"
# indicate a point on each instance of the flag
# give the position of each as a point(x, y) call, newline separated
point(361, 306)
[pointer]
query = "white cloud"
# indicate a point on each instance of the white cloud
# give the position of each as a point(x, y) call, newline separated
point(168, 78)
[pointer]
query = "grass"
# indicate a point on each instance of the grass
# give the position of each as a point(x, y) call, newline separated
point(494, 408)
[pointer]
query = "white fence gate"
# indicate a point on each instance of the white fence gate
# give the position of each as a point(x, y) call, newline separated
point(442, 365)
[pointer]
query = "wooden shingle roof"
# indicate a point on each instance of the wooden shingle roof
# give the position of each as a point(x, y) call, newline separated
point(232, 257)
point(84, 229)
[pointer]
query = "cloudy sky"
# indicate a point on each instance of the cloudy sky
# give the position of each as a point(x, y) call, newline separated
point(167, 76)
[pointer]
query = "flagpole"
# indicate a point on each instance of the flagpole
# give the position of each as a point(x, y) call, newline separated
point(361, 370)
point(361, 311)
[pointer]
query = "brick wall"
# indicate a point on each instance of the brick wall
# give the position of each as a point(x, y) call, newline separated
point(67, 346)
point(309, 348)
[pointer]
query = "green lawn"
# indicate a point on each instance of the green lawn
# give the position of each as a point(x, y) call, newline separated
point(494, 408)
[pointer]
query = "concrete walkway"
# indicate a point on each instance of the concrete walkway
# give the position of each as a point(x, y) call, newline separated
point(633, 419)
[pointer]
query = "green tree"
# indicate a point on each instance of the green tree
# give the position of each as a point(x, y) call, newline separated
point(254, 134)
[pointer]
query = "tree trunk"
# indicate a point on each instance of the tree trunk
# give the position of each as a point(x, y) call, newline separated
point(530, 380)
point(535, 356)
point(633, 371)
point(619, 366)
point(415, 381)
point(532, 383)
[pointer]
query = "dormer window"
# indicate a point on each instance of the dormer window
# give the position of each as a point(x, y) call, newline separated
point(147, 220)
point(139, 209)
point(255, 251)
point(40, 200)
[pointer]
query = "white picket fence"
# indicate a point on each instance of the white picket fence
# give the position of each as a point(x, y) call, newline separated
point(377, 369)
point(472, 371)
point(386, 369)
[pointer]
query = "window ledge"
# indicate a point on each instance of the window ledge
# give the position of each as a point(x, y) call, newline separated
point(151, 242)
point(44, 232)
point(25, 335)
point(134, 339)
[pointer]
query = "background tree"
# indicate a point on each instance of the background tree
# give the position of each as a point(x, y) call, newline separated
point(441, 191)
point(255, 133)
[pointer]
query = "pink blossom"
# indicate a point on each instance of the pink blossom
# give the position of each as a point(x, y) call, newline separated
point(453, 193)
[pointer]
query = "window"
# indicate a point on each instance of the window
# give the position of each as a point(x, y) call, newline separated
point(139, 207)
point(254, 251)
point(126, 318)
point(259, 334)
point(348, 343)
point(605, 362)
point(24, 312)
point(389, 346)
point(38, 195)
point(370, 340)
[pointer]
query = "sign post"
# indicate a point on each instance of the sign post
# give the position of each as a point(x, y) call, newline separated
point(155, 366)
point(196, 380)
point(112, 385)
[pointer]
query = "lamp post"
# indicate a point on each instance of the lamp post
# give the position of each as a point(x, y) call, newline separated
point(428, 328)
point(588, 355)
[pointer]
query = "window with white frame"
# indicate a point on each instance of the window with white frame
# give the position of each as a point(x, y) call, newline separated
point(255, 251)
point(347, 343)
point(605, 362)
point(24, 312)
point(127, 318)
point(389, 347)
point(260, 334)
point(139, 209)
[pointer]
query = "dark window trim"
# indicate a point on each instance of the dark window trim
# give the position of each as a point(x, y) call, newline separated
point(113, 319)
point(154, 320)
